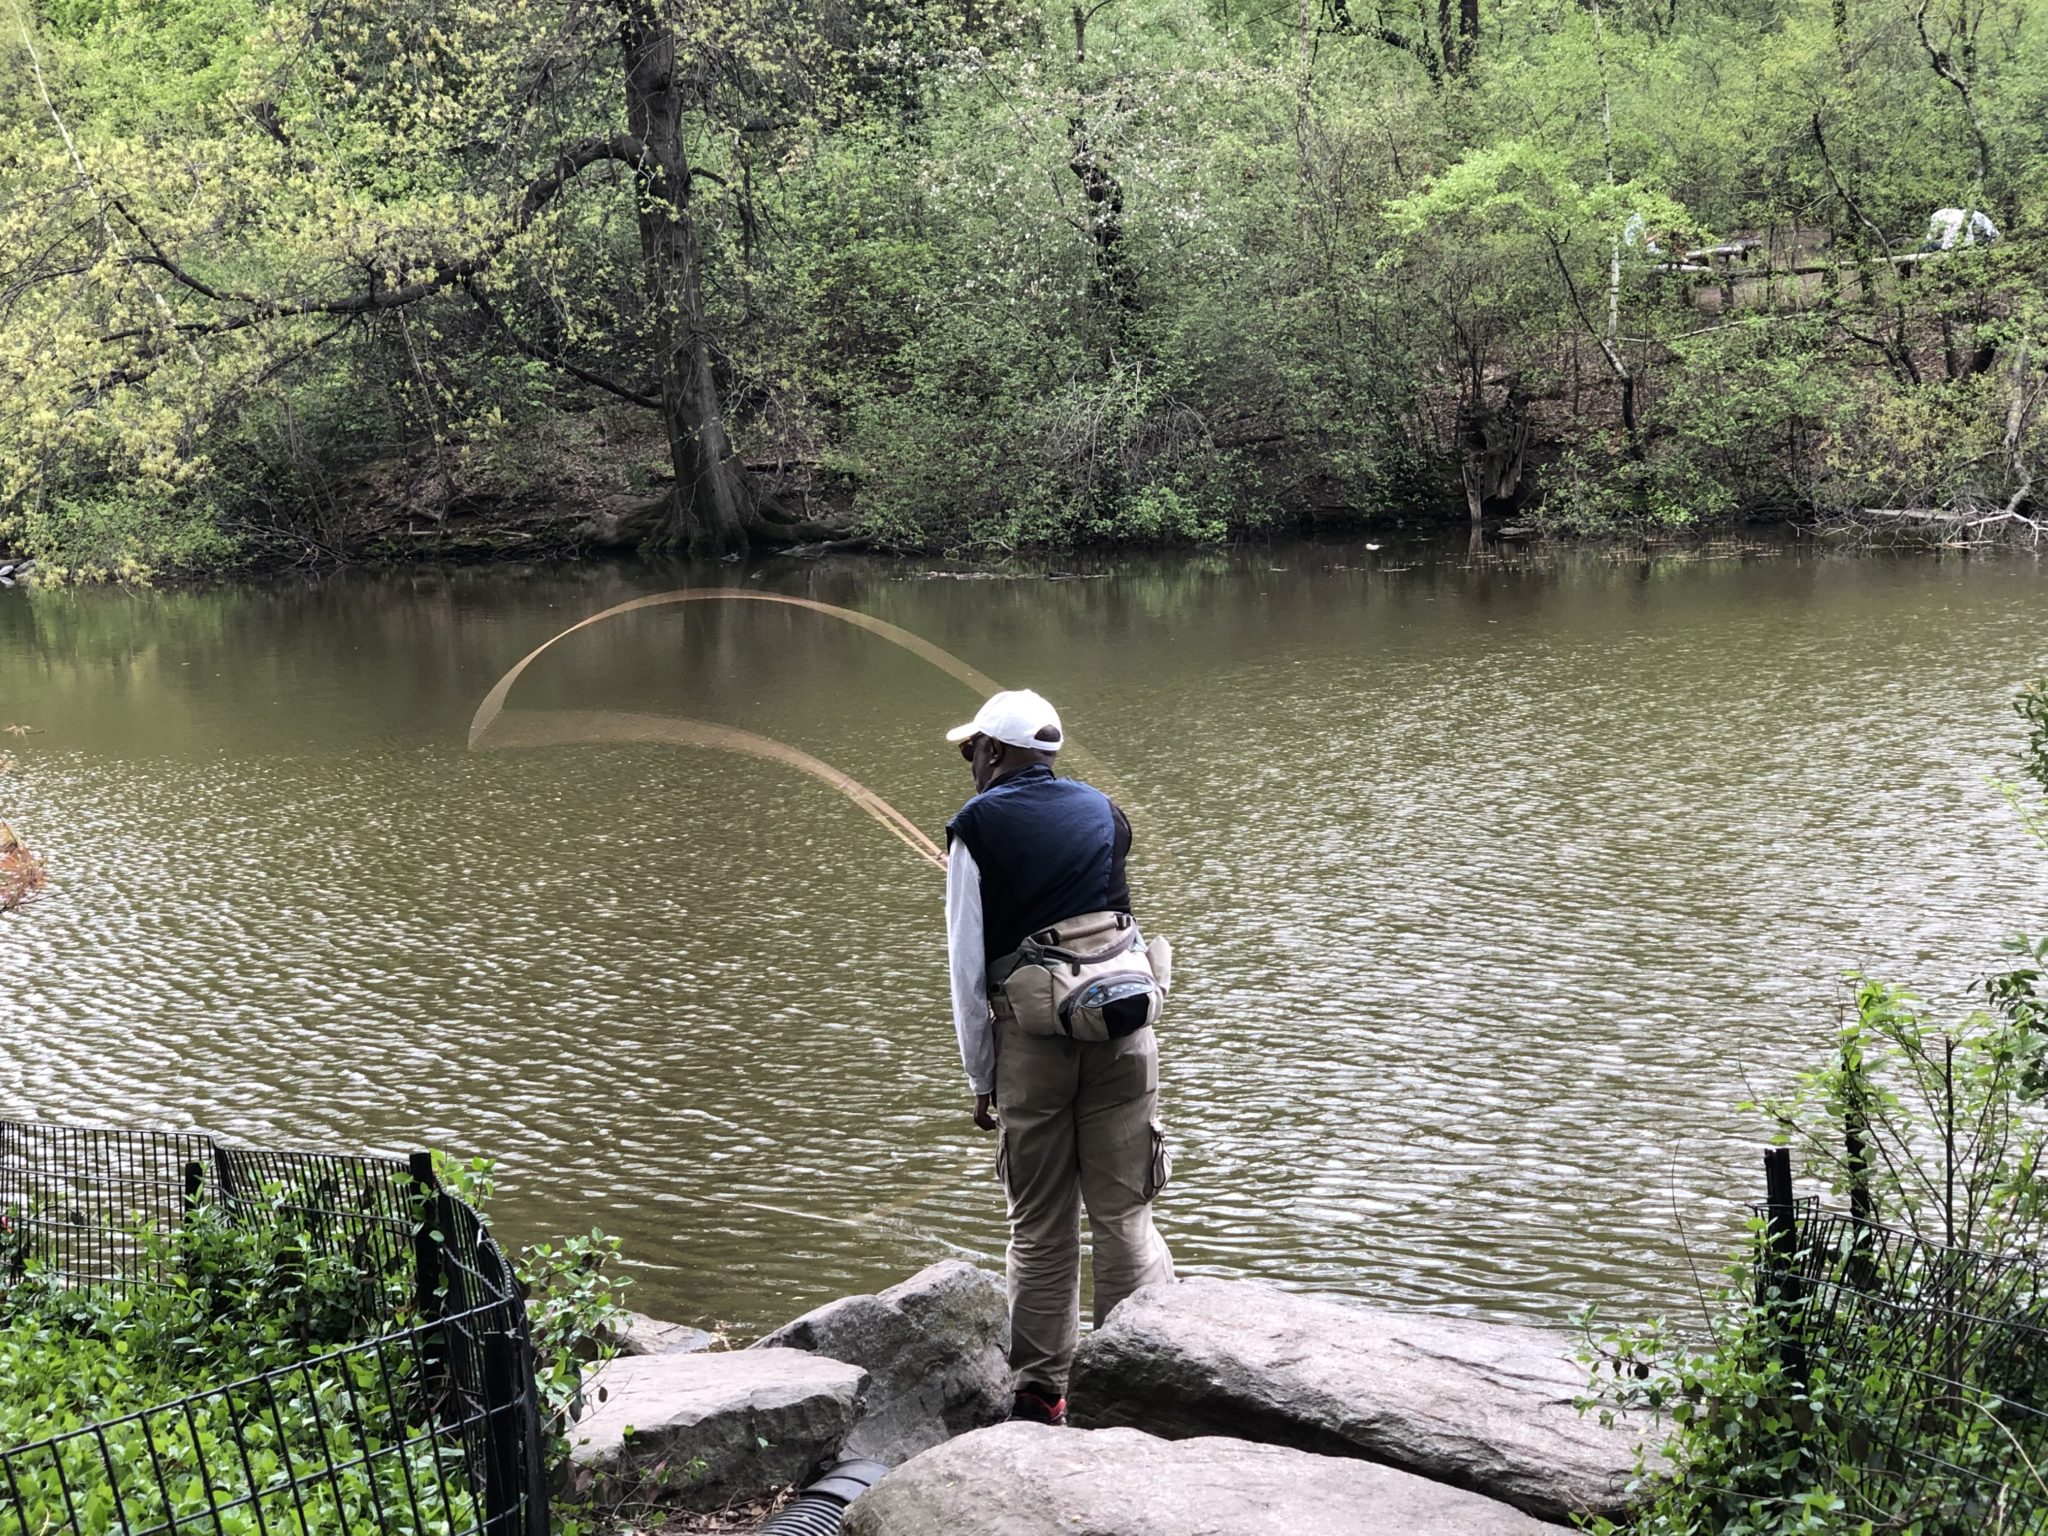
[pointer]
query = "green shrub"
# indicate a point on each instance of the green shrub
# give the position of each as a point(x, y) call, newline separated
point(1899, 1422)
point(123, 529)
point(326, 1444)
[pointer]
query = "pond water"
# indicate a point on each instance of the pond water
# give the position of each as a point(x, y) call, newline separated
point(1496, 883)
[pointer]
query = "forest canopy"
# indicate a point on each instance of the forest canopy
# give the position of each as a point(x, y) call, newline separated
point(302, 277)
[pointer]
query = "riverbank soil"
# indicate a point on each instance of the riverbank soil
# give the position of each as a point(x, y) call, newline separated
point(649, 1521)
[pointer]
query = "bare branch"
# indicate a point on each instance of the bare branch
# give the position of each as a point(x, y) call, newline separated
point(1842, 191)
point(1945, 67)
point(1963, 522)
point(1607, 347)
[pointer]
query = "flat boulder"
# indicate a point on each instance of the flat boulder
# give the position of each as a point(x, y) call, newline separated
point(1031, 1480)
point(702, 1429)
point(936, 1350)
point(638, 1334)
point(1480, 1406)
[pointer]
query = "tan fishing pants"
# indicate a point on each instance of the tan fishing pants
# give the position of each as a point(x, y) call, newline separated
point(1078, 1128)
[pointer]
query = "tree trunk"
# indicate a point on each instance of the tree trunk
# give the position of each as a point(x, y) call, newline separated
point(1610, 340)
point(1493, 448)
point(713, 509)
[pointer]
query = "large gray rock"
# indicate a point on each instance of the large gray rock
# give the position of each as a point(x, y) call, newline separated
point(1484, 1406)
point(936, 1350)
point(1029, 1480)
point(703, 1429)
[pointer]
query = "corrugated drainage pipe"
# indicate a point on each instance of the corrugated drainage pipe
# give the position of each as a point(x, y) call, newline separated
point(818, 1510)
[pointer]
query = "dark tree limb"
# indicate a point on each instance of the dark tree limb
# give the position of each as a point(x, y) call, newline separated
point(1842, 191)
point(1344, 26)
point(265, 116)
point(637, 397)
point(622, 147)
point(163, 263)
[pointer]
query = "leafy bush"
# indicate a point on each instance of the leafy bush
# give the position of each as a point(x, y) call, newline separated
point(1908, 1410)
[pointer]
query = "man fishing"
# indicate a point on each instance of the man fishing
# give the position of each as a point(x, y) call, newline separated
point(1053, 1000)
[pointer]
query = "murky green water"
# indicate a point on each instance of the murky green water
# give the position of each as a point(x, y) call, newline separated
point(1495, 888)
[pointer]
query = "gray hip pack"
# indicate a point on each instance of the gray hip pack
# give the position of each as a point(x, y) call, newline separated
point(1091, 977)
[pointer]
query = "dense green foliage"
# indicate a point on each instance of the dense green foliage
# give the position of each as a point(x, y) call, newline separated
point(1919, 1412)
point(280, 275)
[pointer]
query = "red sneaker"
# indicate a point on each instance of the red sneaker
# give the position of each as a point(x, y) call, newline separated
point(1034, 1405)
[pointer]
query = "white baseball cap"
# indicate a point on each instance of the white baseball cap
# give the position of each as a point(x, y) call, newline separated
point(1017, 717)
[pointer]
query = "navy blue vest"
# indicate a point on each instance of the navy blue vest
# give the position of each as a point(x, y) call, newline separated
point(1048, 849)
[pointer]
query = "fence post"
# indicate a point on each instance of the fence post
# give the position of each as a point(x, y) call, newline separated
point(1781, 1214)
point(1779, 1285)
point(515, 1492)
point(427, 1271)
point(193, 1176)
point(424, 1262)
point(1856, 1147)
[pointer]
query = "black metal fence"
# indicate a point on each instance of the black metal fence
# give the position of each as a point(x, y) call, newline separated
point(1926, 1368)
point(429, 1425)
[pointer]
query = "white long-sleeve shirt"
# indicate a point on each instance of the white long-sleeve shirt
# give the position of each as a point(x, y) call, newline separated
point(969, 965)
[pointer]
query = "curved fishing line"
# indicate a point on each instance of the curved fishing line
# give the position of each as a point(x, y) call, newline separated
point(945, 661)
point(564, 727)
point(493, 704)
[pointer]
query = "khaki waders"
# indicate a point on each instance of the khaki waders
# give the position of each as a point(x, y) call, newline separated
point(1078, 1128)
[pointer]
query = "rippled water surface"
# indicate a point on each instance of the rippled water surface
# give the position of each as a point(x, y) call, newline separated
point(1496, 887)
